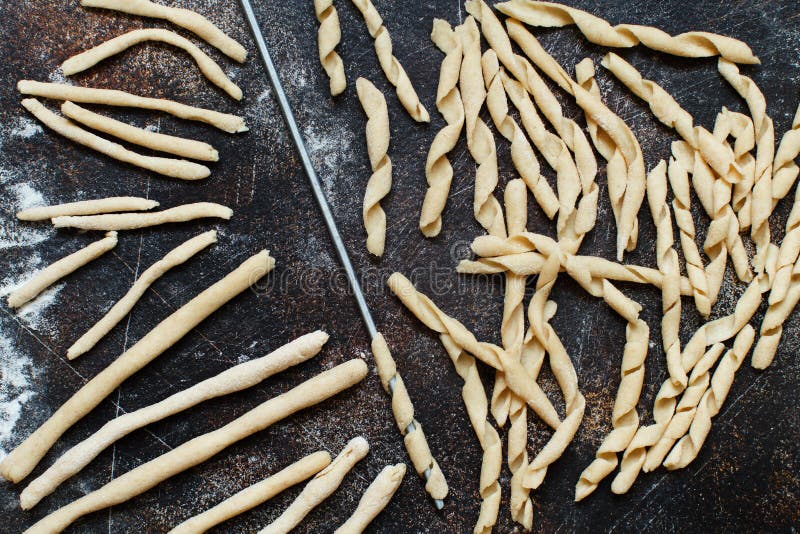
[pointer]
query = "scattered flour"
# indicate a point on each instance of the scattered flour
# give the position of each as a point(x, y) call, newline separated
point(26, 128)
point(33, 313)
point(329, 149)
point(16, 372)
point(14, 233)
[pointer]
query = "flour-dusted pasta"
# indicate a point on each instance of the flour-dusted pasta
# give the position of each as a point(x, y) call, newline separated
point(59, 269)
point(174, 168)
point(132, 221)
point(328, 37)
point(785, 170)
point(21, 461)
point(208, 67)
point(187, 148)
point(374, 500)
point(739, 127)
point(258, 493)
point(380, 182)
point(113, 97)
point(237, 378)
point(177, 256)
point(140, 479)
point(480, 139)
point(599, 31)
point(438, 171)
point(392, 68)
point(411, 429)
point(87, 207)
point(320, 488)
point(185, 18)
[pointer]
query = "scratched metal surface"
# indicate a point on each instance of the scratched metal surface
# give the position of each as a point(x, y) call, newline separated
point(746, 476)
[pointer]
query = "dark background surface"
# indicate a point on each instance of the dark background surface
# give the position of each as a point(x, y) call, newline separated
point(746, 476)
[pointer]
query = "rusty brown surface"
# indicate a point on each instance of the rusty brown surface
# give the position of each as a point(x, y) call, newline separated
point(746, 476)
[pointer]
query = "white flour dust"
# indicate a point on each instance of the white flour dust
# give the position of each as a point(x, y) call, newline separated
point(25, 128)
point(16, 372)
point(330, 150)
point(15, 233)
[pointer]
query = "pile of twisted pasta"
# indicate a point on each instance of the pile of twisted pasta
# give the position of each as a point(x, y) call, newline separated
point(735, 170)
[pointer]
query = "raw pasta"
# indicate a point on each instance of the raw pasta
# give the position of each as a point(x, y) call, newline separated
point(187, 148)
point(258, 493)
point(195, 451)
point(374, 500)
point(772, 324)
point(132, 221)
point(391, 66)
point(113, 97)
point(599, 31)
point(208, 67)
point(177, 256)
point(785, 170)
point(174, 168)
point(413, 436)
point(380, 182)
point(87, 207)
point(237, 378)
point(59, 269)
point(185, 18)
point(328, 37)
point(438, 171)
point(320, 488)
point(21, 461)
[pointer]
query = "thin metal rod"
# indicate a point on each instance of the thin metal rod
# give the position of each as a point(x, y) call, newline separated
point(316, 188)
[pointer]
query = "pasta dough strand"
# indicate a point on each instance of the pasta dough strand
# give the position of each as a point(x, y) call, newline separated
point(174, 168)
point(132, 221)
point(320, 488)
point(185, 18)
point(177, 256)
point(187, 148)
point(686, 450)
point(411, 429)
point(785, 170)
point(95, 55)
point(195, 451)
point(374, 500)
point(258, 493)
point(438, 171)
point(87, 207)
point(21, 461)
point(237, 378)
point(599, 31)
point(480, 140)
point(112, 97)
point(380, 182)
point(328, 37)
point(392, 68)
point(59, 269)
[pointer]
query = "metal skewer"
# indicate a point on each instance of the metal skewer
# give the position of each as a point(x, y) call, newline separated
point(316, 188)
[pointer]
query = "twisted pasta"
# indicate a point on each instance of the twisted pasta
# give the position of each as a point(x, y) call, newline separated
point(392, 68)
point(402, 408)
point(328, 37)
point(599, 31)
point(777, 313)
point(522, 154)
point(474, 397)
point(685, 451)
point(619, 146)
point(438, 171)
point(716, 331)
point(480, 139)
point(380, 182)
point(518, 380)
point(740, 128)
point(785, 170)
point(762, 203)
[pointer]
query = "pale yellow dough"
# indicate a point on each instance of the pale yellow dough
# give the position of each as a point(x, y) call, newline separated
point(328, 37)
point(195, 451)
point(374, 500)
point(87, 207)
point(187, 148)
point(208, 67)
point(132, 221)
point(237, 378)
point(113, 97)
point(61, 268)
point(185, 18)
point(21, 461)
point(174, 168)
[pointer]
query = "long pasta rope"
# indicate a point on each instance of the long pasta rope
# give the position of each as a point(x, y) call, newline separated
point(392, 68)
point(438, 171)
point(599, 31)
